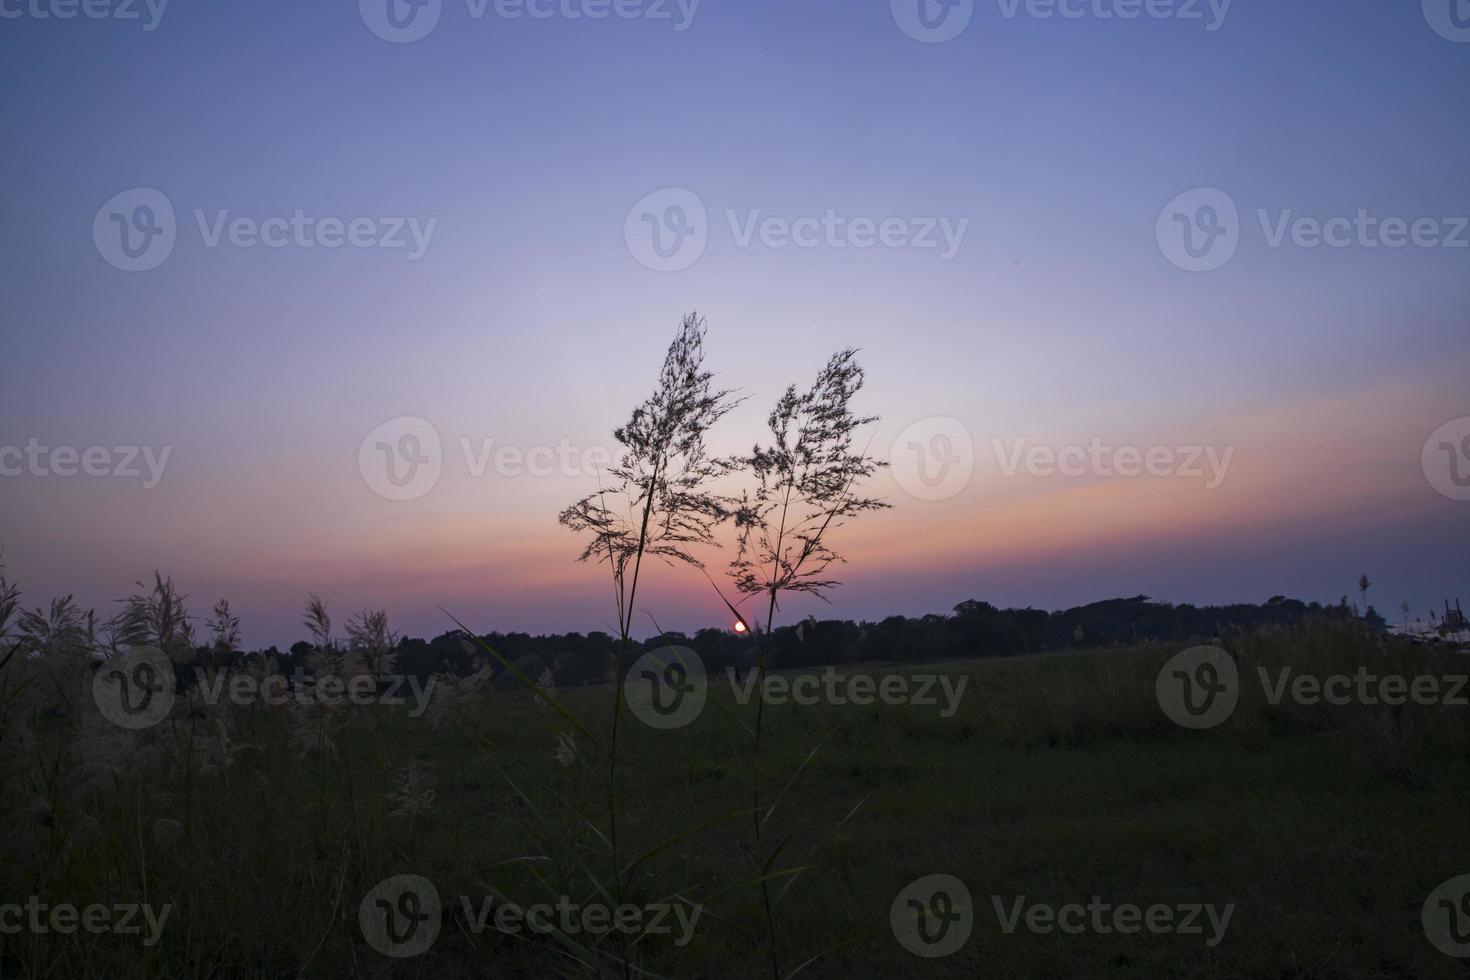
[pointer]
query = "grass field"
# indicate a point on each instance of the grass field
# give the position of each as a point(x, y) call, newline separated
point(1057, 779)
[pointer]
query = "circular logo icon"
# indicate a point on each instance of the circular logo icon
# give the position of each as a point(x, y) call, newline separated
point(932, 21)
point(934, 458)
point(1447, 917)
point(1199, 230)
point(400, 21)
point(1449, 18)
point(933, 916)
point(401, 917)
point(667, 230)
point(1446, 459)
point(1199, 687)
point(666, 688)
point(135, 230)
point(401, 459)
point(136, 690)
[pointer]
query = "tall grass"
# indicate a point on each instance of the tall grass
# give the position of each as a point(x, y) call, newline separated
point(805, 480)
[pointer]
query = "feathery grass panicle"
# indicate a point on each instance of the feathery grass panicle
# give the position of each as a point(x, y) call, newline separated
point(664, 469)
point(455, 699)
point(224, 630)
point(371, 644)
point(662, 479)
point(156, 616)
point(415, 792)
point(805, 482)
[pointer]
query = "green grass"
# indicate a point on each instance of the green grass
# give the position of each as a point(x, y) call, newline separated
point(1058, 779)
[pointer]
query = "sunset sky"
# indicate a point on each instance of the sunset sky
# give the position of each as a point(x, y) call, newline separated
point(532, 318)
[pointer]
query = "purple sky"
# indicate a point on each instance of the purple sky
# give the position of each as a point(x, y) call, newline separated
point(1052, 163)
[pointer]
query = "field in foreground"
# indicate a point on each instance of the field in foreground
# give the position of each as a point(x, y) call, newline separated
point(1057, 779)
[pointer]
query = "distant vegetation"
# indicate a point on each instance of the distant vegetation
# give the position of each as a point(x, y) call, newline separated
point(973, 629)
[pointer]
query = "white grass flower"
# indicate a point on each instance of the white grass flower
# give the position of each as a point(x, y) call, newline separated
point(566, 749)
point(415, 793)
point(456, 698)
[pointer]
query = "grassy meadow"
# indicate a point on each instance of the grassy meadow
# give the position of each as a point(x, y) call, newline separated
point(1058, 778)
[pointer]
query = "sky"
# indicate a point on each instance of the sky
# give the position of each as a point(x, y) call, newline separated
point(288, 244)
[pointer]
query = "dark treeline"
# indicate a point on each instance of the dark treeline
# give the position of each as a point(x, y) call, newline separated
point(974, 629)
